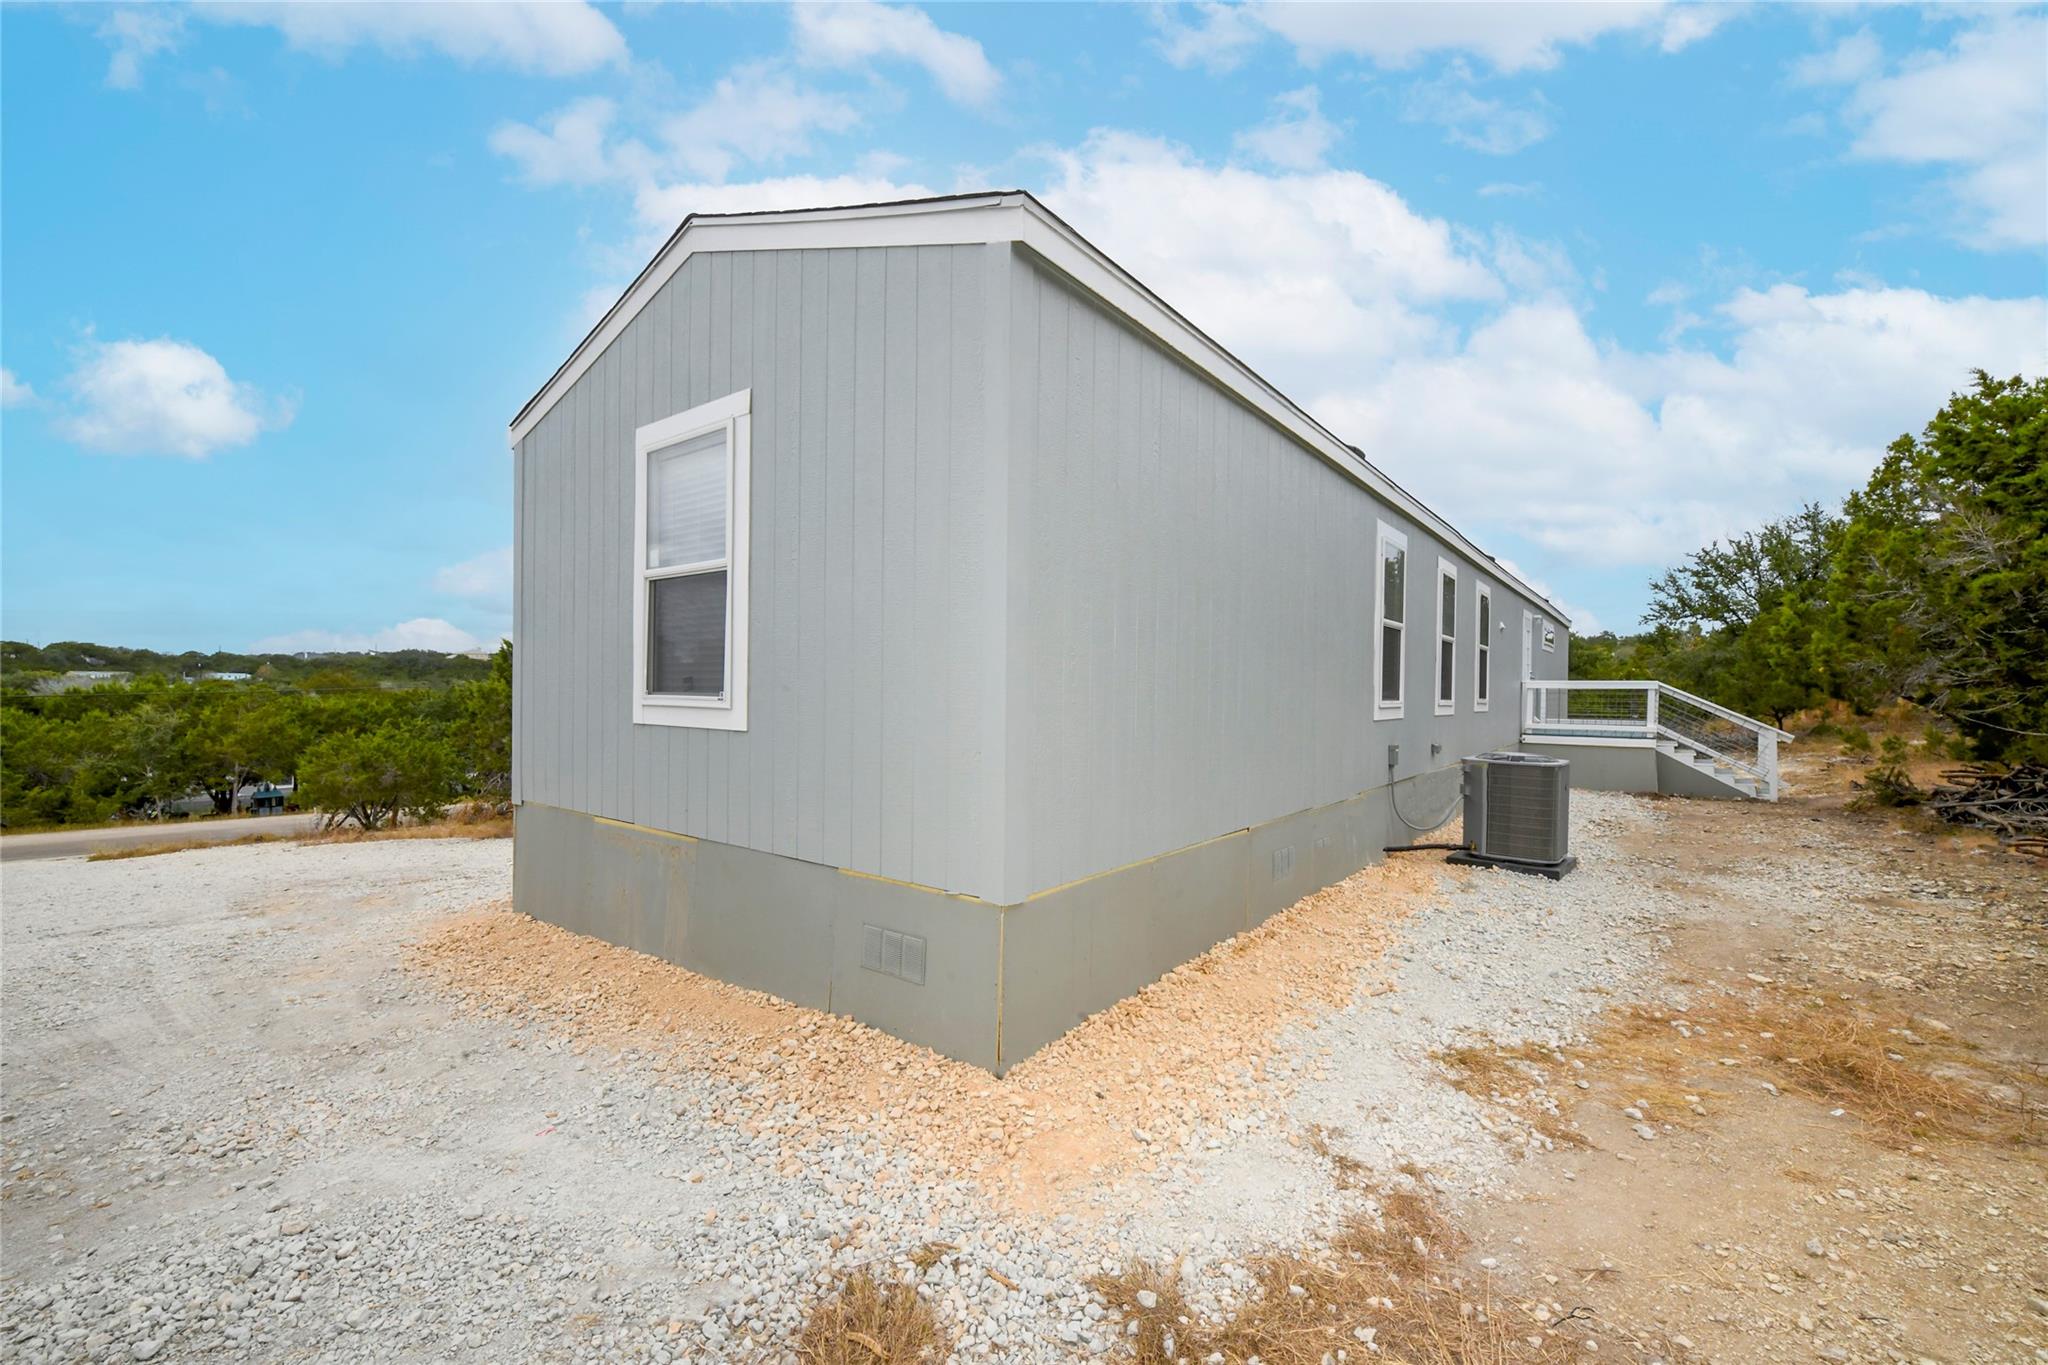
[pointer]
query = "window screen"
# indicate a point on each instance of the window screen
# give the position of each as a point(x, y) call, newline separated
point(1446, 639)
point(1485, 623)
point(1393, 616)
point(687, 567)
point(686, 635)
point(686, 502)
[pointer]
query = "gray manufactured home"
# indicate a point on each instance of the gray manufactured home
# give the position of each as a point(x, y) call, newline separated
point(919, 619)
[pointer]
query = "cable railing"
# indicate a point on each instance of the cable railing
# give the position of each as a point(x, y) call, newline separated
point(1650, 711)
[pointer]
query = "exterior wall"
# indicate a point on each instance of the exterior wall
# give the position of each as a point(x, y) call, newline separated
point(1634, 768)
point(870, 742)
point(1191, 593)
point(1606, 768)
point(1061, 656)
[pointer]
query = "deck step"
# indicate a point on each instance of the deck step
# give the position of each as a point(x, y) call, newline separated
point(1715, 768)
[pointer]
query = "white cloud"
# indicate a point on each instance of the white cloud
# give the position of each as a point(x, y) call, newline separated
point(163, 397)
point(1682, 25)
point(1472, 120)
point(572, 148)
point(1616, 456)
point(1508, 189)
point(1297, 137)
point(1853, 59)
point(422, 632)
point(14, 391)
point(1980, 106)
point(1505, 36)
point(485, 580)
point(559, 38)
point(1329, 269)
point(1217, 39)
point(136, 34)
point(754, 113)
point(853, 33)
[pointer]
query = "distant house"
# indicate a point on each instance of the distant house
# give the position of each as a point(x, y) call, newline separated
point(920, 619)
point(254, 798)
point(211, 676)
point(265, 799)
point(79, 678)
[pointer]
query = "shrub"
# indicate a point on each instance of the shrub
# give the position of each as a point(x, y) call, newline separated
point(1889, 783)
point(379, 777)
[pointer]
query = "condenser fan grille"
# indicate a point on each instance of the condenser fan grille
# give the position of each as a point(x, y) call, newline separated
point(1517, 807)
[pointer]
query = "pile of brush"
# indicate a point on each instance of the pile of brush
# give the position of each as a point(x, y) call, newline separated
point(2013, 802)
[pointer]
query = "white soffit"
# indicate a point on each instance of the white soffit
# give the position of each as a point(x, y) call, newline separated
point(1012, 216)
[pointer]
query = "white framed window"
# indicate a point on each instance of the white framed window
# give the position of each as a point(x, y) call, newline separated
point(691, 484)
point(1390, 605)
point(1482, 635)
point(1446, 637)
point(1549, 629)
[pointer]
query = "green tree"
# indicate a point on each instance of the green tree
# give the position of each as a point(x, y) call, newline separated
point(239, 734)
point(1601, 656)
point(480, 729)
point(1740, 618)
point(379, 777)
point(1941, 582)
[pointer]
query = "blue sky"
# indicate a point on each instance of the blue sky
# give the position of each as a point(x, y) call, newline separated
point(1599, 282)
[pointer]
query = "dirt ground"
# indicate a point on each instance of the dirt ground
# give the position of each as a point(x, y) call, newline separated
point(1776, 1226)
point(335, 1102)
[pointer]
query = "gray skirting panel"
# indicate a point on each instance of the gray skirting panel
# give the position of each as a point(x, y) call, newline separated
point(983, 983)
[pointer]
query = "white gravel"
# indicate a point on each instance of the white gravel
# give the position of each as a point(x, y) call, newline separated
point(233, 1125)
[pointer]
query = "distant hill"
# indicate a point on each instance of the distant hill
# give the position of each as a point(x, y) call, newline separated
point(21, 663)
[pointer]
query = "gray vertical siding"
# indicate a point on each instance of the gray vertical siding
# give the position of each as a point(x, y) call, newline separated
point(870, 565)
point(1031, 599)
point(1192, 593)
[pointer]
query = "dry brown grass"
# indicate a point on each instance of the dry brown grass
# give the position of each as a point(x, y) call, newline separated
point(1907, 1087)
point(457, 825)
point(1345, 1169)
point(465, 823)
point(1516, 1077)
point(870, 1323)
point(1387, 1288)
point(112, 855)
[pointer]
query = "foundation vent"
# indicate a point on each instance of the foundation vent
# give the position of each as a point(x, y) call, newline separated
point(892, 953)
point(1283, 862)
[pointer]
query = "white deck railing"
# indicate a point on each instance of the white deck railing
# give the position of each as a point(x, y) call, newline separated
point(1649, 711)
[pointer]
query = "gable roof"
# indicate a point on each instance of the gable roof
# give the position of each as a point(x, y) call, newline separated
point(997, 216)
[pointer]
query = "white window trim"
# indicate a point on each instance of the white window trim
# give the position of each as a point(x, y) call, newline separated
point(729, 712)
point(1388, 710)
point(1446, 706)
point(1482, 653)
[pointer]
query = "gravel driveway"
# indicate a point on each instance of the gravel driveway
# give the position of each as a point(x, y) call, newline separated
point(235, 1123)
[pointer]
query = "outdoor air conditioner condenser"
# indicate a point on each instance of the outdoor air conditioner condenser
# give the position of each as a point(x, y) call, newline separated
point(1517, 810)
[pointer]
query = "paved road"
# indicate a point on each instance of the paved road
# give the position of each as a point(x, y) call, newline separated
point(76, 843)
